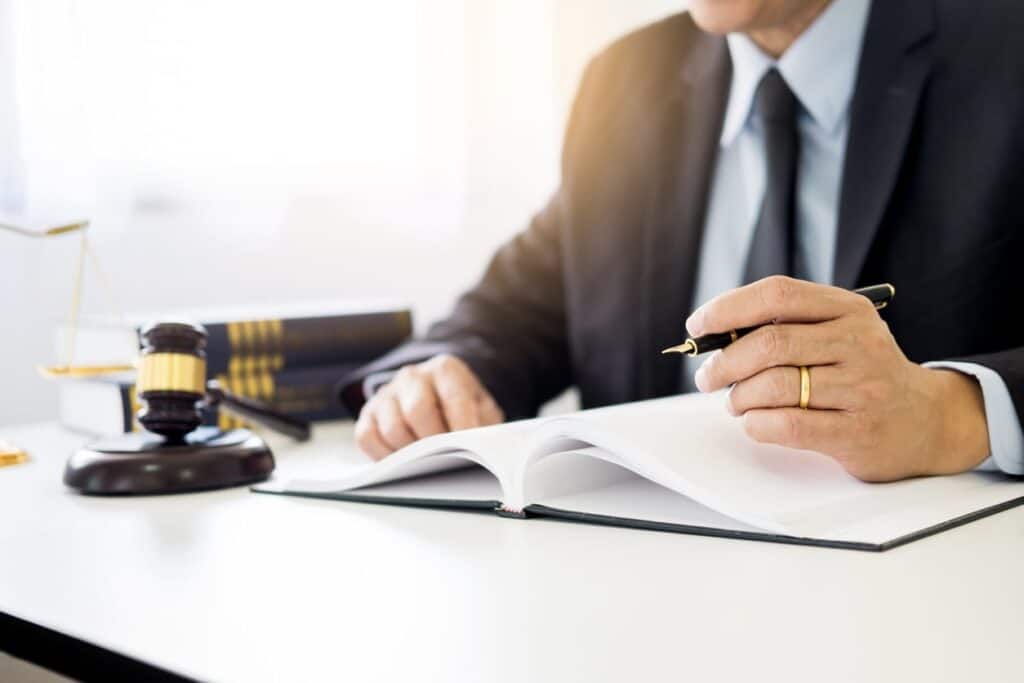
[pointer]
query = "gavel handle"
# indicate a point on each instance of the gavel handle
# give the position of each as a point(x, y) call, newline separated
point(257, 411)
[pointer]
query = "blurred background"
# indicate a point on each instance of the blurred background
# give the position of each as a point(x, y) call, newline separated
point(234, 153)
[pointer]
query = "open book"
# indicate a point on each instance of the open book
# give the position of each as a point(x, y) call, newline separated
point(675, 464)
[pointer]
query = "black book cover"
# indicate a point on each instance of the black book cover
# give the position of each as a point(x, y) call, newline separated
point(543, 511)
point(251, 346)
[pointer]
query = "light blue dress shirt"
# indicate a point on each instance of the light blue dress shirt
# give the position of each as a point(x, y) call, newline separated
point(820, 68)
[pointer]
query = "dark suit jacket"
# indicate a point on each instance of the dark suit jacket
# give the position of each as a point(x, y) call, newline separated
point(932, 200)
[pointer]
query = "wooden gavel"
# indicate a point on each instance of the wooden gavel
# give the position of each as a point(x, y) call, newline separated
point(173, 388)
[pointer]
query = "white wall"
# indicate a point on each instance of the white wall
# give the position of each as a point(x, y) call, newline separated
point(232, 155)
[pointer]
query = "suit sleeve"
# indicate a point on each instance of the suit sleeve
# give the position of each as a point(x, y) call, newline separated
point(511, 327)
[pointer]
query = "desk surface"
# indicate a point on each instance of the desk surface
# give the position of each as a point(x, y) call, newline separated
point(235, 586)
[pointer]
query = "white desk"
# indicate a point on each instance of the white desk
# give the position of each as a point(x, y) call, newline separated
point(234, 586)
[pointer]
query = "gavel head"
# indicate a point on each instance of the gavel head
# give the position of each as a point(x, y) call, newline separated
point(172, 378)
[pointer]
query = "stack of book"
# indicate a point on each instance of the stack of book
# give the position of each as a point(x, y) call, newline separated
point(292, 359)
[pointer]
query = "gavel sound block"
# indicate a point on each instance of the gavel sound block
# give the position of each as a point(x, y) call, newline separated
point(176, 454)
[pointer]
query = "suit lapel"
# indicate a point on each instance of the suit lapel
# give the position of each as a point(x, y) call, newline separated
point(894, 66)
point(688, 128)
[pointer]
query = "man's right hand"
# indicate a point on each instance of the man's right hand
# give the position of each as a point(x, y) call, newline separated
point(438, 395)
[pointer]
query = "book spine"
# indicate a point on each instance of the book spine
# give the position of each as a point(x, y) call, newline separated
point(239, 349)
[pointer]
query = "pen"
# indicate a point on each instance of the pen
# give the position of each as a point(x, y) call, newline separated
point(879, 295)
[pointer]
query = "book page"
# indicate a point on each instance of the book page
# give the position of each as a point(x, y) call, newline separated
point(702, 468)
point(448, 479)
point(426, 469)
point(691, 445)
point(591, 481)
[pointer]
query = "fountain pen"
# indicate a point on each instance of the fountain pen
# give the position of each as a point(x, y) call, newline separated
point(879, 295)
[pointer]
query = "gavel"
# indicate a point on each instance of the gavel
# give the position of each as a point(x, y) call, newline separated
point(176, 453)
point(173, 388)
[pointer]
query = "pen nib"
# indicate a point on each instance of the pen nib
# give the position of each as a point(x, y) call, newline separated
point(685, 347)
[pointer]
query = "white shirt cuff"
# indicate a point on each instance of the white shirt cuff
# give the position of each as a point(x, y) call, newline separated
point(1005, 436)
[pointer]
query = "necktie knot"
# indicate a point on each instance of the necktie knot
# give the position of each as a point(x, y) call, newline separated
point(776, 103)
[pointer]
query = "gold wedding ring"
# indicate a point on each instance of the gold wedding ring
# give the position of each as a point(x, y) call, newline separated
point(805, 387)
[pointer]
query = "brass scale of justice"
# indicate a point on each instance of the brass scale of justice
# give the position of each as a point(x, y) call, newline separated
point(175, 453)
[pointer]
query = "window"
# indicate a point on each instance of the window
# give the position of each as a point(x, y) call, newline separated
point(229, 152)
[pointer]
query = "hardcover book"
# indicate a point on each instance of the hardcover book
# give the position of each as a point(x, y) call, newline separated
point(680, 464)
point(265, 339)
point(107, 406)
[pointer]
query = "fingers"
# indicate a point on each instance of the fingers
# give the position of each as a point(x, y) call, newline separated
point(773, 346)
point(368, 436)
point(459, 392)
point(391, 422)
point(780, 388)
point(439, 395)
point(775, 298)
point(814, 430)
point(419, 405)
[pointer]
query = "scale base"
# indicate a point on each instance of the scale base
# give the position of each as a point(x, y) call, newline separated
point(144, 464)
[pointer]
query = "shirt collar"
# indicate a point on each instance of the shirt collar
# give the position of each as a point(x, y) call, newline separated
point(820, 67)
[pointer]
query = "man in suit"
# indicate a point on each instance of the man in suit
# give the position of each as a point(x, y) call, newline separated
point(741, 156)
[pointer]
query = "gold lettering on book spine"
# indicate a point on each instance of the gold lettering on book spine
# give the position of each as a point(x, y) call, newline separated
point(246, 350)
point(276, 344)
point(259, 350)
point(251, 386)
point(225, 420)
point(234, 348)
point(248, 365)
point(268, 346)
point(233, 338)
point(255, 347)
point(266, 386)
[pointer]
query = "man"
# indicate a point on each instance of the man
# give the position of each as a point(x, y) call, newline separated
point(844, 142)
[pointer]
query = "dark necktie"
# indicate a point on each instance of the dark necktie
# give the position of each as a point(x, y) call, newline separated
point(772, 250)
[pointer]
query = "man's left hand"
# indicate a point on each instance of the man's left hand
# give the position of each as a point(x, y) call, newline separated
point(877, 413)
